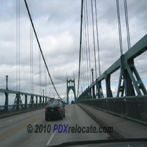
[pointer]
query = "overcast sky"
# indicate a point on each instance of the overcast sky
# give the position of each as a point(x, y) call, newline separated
point(57, 24)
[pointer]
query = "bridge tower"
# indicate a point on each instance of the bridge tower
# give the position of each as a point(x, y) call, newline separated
point(70, 86)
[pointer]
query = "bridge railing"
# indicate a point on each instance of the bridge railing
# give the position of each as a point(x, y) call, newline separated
point(31, 101)
point(133, 108)
point(131, 99)
point(130, 82)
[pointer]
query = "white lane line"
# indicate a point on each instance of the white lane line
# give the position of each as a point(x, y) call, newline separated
point(49, 141)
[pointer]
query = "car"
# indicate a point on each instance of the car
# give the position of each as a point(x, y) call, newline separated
point(54, 109)
point(72, 102)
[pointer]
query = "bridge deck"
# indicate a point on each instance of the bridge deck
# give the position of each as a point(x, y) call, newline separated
point(14, 128)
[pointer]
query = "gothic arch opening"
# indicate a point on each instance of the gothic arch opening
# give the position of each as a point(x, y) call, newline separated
point(71, 87)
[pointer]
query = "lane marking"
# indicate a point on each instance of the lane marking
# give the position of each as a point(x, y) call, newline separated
point(14, 130)
point(49, 141)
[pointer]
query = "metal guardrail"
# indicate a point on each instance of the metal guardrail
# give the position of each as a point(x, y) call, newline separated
point(130, 82)
point(133, 108)
point(131, 99)
point(36, 101)
point(22, 107)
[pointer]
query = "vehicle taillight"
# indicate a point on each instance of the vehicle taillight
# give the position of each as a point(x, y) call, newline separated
point(45, 110)
point(58, 109)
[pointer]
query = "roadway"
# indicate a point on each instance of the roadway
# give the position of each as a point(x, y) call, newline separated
point(13, 130)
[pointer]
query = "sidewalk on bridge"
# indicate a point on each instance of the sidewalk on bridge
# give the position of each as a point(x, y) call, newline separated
point(122, 128)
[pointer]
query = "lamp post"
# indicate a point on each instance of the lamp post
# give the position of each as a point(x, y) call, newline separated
point(92, 75)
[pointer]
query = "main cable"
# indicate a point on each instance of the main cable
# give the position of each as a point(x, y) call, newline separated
point(40, 47)
point(80, 46)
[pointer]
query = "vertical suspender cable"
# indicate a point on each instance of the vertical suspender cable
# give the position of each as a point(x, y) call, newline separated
point(39, 59)
point(40, 73)
point(16, 43)
point(32, 66)
point(88, 44)
point(80, 46)
point(94, 39)
point(81, 68)
point(31, 60)
point(45, 90)
point(84, 49)
point(87, 83)
point(97, 38)
point(127, 24)
point(119, 27)
point(19, 40)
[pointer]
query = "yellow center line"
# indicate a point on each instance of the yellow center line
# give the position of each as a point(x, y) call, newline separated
point(14, 130)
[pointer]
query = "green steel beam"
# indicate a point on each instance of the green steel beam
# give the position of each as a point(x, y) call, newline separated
point(127, 68)
point(21, 93)
point(18, 105)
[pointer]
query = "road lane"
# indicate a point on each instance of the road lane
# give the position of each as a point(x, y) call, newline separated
point(20, 137)
point(7, 124)
point(76, 116)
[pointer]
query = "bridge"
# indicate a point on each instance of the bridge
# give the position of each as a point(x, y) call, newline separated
point(109, 87)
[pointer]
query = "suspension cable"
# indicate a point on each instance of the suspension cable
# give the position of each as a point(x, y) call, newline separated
point(97, 38)
point(119, 27)
point(80, 46)
point(39, 59)
point(127, 24)
point(31, 60)
point(94, 38)
point(16, 43)
point(19, 41)
point(88, 44)
point(40, 48)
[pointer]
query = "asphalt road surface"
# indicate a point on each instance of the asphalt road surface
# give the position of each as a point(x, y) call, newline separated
point(31, 129)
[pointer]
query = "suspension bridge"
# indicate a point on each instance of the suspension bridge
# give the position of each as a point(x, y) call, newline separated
point(97, 103)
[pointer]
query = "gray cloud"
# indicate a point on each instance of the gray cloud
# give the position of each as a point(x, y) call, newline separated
point(58, 27)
